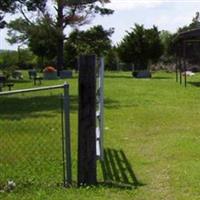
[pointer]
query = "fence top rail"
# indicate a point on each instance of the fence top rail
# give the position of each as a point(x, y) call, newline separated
point(65, 85)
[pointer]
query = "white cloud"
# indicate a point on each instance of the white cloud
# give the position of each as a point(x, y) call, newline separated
point(166, 14)
point(131, 4)
point(172, 23)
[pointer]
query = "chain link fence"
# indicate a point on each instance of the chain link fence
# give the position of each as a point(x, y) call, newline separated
point(31, 138)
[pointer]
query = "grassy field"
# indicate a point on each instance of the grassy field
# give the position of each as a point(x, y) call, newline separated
point(152, 141)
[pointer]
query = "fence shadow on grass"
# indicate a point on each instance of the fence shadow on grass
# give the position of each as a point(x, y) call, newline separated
point(117, 170)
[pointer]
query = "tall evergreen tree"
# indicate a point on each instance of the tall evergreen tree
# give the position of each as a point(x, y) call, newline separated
point(59, 14)
point(140, 47)
point(5, 7)
point(95, 40)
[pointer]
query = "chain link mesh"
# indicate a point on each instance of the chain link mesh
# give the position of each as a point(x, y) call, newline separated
point(31, 138)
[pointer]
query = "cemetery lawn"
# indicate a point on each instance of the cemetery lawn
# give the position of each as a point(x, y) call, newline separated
point(155, 124)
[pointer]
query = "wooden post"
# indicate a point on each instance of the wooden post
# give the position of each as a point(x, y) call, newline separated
point(184, 63)
point(180, 63)
point(176, 69)
point(181, 73)
point(87, 121)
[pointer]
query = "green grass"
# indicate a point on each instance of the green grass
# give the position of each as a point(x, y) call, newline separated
point(155, 123)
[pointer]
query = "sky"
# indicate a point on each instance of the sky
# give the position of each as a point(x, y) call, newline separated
point(165, 14)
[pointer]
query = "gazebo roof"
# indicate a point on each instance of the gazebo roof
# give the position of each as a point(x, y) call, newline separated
point(190, 35)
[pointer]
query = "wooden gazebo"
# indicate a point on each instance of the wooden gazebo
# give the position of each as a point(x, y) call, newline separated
point(184, 47)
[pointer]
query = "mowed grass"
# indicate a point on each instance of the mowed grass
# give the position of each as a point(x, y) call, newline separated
point(154, 122)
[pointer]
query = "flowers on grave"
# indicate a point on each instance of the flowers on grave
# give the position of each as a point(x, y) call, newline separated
point(50, 73)
point(49, 69)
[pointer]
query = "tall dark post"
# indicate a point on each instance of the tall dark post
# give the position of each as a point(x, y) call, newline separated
point(180, 63)
point(19, 56)
point(87, 121)
point(180, 71)
point(176, 68)
point(184, 63)
point(60, 39)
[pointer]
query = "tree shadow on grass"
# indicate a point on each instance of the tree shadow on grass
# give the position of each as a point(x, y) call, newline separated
point(196, 84)
point(117, 170)
point(110, 103)
point(114, 104)
point(20, 81)
point(162, 78)
point(20, 107)
point(16, 107)
point(120, 76)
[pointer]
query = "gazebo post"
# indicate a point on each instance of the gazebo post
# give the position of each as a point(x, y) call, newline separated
point(180, 71)
point(180, 65)
point(191, 36)
point(184, 62)
point(176, 68)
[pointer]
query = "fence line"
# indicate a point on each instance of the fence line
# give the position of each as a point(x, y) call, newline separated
point(33, 130)
point(33, 89)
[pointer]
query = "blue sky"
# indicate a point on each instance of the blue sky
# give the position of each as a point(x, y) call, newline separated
point(166, 14)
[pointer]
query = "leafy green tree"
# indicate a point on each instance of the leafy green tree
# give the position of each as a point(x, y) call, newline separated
point(8, 58)
point(40, 37)
point(8, 62)
point(21, 59)
point(141, 47)
point(42, 41)
point(60, 14)
point(167, 40)
point(26, 59)
point(112, 60)
point(5, 7)
point(70, 55)
point(18, 32)
point(95, 40)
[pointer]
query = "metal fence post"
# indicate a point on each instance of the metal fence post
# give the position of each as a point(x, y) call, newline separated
point(100, 116)
point(66, 107)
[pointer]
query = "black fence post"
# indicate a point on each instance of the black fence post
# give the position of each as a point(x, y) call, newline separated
point(87, 121)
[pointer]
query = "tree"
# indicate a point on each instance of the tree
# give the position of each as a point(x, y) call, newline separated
point(60, 14)
point(70, 55)
point(8, 58)
point(141, 47)
point(23, 59)
point(26, 59)
point(112, 59)
point(5, 6)
point(40, 37)
point(95, 40)
point(42, 41)
point(167, 40)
